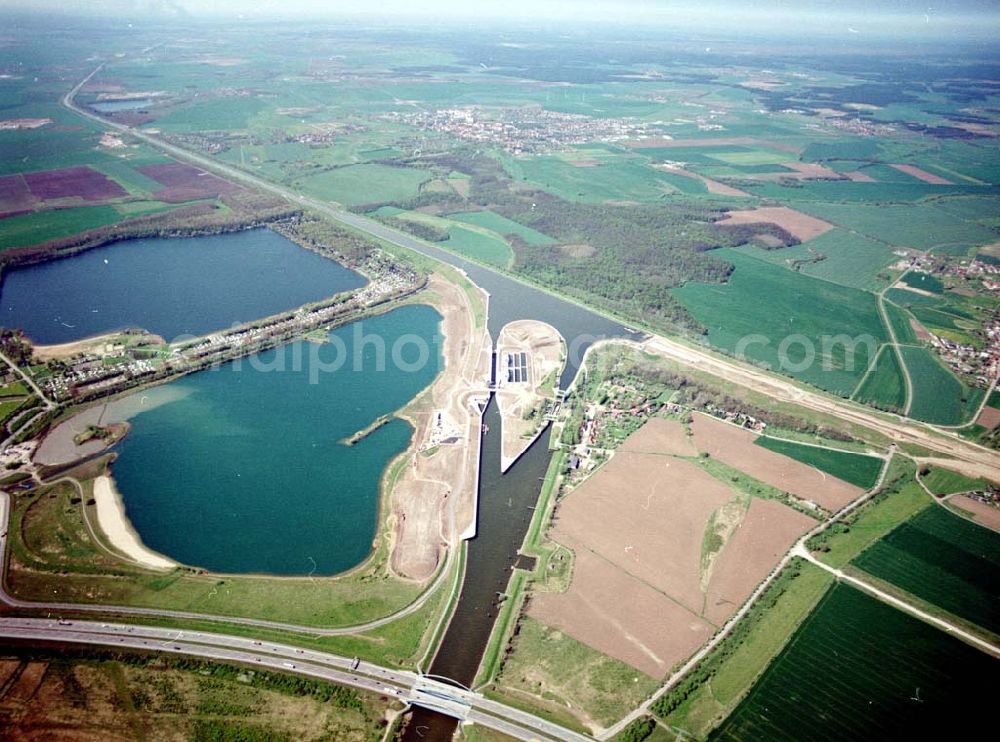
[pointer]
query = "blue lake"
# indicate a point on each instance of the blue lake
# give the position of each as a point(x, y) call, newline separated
point(171, 287)
point(241, 469)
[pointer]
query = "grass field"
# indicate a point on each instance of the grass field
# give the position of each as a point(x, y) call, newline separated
point(851, 467)
point(942, 481)
point(502, 226)
point(900, 320)
point(849, 259)
point(800, 314)
point(615, 181)
point(485, 247)
point(119, 696)
point(564, 672)
point(943, 559)
point(364, 184)
point(902, 498)
point(885, 387)
point(924, 282)
point(938, 397)
point(56, 552)
point(831, 681)
point(213, 115)
point(920, 226)
point(738, 662)
point(32, 229)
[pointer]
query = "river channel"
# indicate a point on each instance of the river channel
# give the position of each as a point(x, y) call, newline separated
point(505, 500)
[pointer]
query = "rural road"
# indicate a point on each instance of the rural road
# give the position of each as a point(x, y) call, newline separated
point(49, 404)
point(801, 551)
point(10, 600)
point(408, 687)
point(778, 387)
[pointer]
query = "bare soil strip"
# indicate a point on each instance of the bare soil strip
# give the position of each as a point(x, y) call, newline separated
point(987, 515)
point(530, 357)
point(922, 174)
point(735, 446)
point(802, 226)
point(433, 498)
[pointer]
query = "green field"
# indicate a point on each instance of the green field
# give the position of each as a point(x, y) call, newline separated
point(365, 184)
point(796, 308)
point(848, 258)
point(502, 226)
point(920, 226)
point(943, 559)
point(946, 482)
point(924, 282)
point(884, 388)
point(485, 247)
point(707, 695)
point(752, 157)
point(857, 469)
point(574, 675)
point(833, 680)
point(626, 180)
point(938, 397)
point(213, 115)
point(900, 320)
point(31, 229)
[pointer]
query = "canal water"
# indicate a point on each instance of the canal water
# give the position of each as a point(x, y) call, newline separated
point(505, 500)
point(169, 286)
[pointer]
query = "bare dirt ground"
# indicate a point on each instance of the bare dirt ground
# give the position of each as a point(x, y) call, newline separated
point(621, 616)
point(522, 399)
point(858, 177)
point(768, 530)
point(801, 171)
point(433, 499)
point(713, 186)
point(735, 446)
point(87, 345)
point(650, 581)
point(802, 226)
point(989, 417)
point(922, 174)
point(646, 514)
point(919, 330)
point(660, 436)
point(713, 142)
point(988, 515)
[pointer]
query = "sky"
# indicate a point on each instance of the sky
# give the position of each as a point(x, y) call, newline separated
point(923, 17)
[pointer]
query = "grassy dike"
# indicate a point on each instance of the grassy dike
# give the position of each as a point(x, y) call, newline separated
point(520, 579)
point(54, 556)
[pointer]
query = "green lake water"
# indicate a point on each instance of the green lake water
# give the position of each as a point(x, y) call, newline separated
point(240, 469)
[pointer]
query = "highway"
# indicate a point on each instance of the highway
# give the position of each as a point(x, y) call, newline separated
point(985, 461)
point(408, 687)
point(446, 699)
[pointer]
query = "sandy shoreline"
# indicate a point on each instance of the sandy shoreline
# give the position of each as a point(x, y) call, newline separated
point(112, 521)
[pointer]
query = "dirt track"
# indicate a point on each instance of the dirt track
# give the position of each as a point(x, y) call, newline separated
point(735, 446)
point(432, 499)
point(979, 459)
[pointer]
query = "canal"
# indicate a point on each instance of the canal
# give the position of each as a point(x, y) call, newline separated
point(505, 500)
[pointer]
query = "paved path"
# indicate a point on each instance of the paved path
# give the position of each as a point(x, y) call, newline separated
point(406, 686)
point(54, 606)
point(49, 404)
point(902, 605)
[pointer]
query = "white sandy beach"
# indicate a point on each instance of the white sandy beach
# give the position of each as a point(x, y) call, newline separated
point(112, 521)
